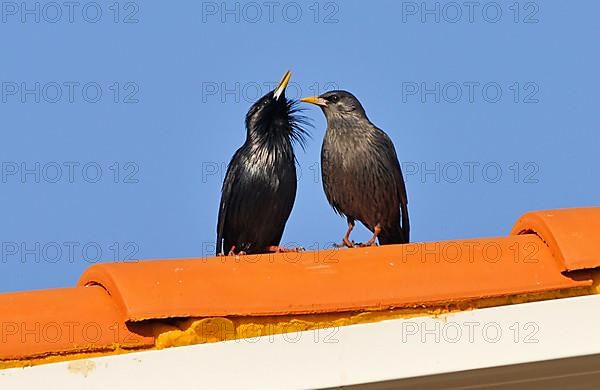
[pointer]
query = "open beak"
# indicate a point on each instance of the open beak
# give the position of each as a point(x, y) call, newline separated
point(319, 101)
point(282, 84)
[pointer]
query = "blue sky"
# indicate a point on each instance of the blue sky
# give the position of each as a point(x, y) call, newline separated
point(118, 122)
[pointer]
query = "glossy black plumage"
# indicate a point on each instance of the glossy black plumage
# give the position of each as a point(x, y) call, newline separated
point(260, 185)
point(361, 174)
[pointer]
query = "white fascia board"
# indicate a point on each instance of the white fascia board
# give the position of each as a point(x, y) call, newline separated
point(387, 350)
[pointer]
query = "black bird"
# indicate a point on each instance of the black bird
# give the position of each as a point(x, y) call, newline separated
point(260, 185)
point(362, 178)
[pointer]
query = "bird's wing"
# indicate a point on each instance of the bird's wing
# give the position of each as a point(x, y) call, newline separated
point(400, 185)
point(226, 194)
point(403, 205)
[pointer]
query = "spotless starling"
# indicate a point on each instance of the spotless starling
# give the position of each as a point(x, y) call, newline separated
point(362, 178)
point(260, 185)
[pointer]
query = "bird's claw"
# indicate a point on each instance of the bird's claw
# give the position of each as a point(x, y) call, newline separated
point(345, 244)
point(232, 252)
point(367, 244)
point(280, 249)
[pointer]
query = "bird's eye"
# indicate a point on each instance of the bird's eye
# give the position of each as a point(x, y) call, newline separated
point(335, 99)
point(265, 102)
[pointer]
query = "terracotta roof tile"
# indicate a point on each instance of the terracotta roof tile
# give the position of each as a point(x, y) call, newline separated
point(35, 323)
point(573, 235)
point(336, 280)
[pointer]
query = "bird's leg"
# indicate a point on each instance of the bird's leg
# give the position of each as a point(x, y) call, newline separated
point(376, 232)
point(280, 249)
point(346, 240)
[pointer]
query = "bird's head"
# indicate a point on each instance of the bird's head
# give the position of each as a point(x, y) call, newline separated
point(337, 104)
point(273, 116)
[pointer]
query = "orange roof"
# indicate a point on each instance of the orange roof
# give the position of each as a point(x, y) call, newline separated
point(332, 280)
point(571, 234)
point(71, 319)
point(119, 305)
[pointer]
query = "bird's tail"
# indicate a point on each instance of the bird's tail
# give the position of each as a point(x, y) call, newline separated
point(391, 236)
point(219, 245)
point(396, 234)
point(405, 223)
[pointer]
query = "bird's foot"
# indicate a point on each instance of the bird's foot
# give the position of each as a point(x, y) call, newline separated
point(346, 243)
point(346, 240)
point(280, 249)
point(232, 252)
point(371, 242)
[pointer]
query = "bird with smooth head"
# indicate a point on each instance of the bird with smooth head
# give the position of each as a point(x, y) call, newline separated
point(361, 174)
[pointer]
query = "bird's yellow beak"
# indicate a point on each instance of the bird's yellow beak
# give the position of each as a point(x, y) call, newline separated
point(282, 84)
point(319, 101)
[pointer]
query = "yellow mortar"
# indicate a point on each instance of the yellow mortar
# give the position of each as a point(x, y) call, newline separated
point(214, 329)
